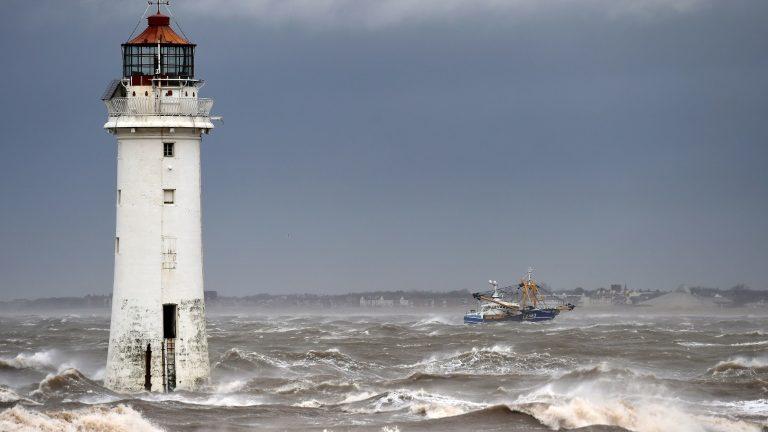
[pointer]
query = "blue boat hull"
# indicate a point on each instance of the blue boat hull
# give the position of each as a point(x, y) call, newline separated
point(531, 315)
point(477, 319)
point(539, 314)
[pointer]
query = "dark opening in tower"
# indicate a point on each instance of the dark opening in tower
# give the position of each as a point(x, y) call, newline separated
point(169, 346)
point(169, 321)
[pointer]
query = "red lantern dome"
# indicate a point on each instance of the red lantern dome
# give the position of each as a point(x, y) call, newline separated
point(158, 52)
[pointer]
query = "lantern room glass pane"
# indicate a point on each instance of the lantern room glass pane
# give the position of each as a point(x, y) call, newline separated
point(175, 60)
point(139, 60)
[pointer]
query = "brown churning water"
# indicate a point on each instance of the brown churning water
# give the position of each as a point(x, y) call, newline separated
point(406, 373)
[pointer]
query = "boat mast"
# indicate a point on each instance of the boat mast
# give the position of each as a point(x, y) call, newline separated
point(530, 291)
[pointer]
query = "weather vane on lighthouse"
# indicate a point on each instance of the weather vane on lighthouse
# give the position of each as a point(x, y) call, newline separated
point(166, 3)
point(158, 3)
point(157, 339)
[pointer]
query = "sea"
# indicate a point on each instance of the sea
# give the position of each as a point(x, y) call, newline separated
point(418, 370)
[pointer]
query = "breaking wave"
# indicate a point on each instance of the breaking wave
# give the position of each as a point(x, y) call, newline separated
point(740, 365)
point(41, 361)
point(332, 357)
point(72, 384)
point(8, 396)
point(95, 419)
point(435, 320)
point(44, 362)
point(238, 360)
point(495, 360)
point(618, 397)
point(417, 372)
point(429, 405)
point(324, 387)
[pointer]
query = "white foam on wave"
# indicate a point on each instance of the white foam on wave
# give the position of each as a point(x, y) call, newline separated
point(418, 402)
point(739, 344)
point(755, 407)
point(433, 320)
point(41, 360)
point(333, 358)
point(293, 387)
point(741, 363)
point(9, 396)
point(96, 419)
point(230, 386)
point(71, 385)
point(765, 342)
point(357, 397)
point(752, 333)
point(312, 403)
point(50, 360)
point(99, 374)
point(253, 359)
point(351, 398)
point(441, 357)
point(211, 399)
point(697, 344)
point(494, 360)
point(602, 396)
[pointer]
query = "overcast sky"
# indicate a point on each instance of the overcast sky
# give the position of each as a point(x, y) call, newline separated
point(409, 144)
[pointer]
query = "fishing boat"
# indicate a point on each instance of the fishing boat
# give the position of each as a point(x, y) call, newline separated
point(492, 307)
point(496, 305)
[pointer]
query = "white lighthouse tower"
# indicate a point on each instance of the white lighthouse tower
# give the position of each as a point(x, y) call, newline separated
point(157, 338)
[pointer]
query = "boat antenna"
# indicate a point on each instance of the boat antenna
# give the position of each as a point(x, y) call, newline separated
point(495, 287)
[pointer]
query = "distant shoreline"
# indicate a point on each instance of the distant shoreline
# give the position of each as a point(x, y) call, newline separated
point(682, 301)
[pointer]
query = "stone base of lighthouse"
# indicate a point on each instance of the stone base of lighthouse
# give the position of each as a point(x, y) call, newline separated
point(138, 362)
point(157, 333)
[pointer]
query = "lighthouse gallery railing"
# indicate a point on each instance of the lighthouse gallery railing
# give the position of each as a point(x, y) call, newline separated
point(141, 106)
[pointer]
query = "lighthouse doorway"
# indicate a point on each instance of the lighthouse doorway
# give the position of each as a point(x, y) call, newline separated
point(169, 321)
point(169, 346)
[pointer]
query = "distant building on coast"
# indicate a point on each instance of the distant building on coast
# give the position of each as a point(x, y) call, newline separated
point(374, 302)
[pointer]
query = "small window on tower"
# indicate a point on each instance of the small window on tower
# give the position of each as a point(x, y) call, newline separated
point(117, 245)
point(119, 196)
point(168, 196)
point(168, 149)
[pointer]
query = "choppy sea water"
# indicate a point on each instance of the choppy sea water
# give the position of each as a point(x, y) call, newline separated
point(417, 372)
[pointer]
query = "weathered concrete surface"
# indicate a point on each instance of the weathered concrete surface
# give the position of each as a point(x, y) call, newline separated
point(159, 259)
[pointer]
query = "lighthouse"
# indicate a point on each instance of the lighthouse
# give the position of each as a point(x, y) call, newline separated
point(157, 337)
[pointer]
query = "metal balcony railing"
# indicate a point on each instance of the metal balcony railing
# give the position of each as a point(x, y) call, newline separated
point(147, 106)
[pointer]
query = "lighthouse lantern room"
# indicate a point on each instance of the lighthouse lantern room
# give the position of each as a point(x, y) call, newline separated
point(157, 339)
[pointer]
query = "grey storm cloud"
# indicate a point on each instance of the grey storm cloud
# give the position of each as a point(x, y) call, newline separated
point(409, 144)
point(386, 13)
point(383, 14)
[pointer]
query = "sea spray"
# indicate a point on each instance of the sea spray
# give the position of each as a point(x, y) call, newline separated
point(121, 418)
point(618, 397)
